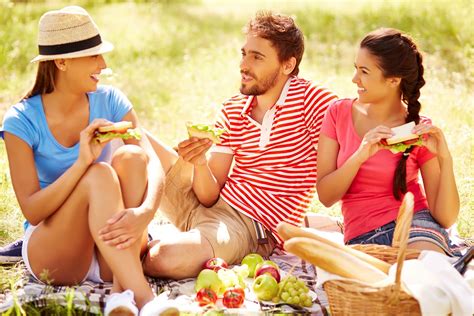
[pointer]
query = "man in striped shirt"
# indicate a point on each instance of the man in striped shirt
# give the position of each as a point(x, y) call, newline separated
point(262, 172)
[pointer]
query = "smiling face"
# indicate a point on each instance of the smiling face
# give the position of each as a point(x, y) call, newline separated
point(82, 74)
point(260, 67)
point(372, 86)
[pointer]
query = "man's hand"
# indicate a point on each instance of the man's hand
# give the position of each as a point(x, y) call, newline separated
point(124, 228)
point(194, 150)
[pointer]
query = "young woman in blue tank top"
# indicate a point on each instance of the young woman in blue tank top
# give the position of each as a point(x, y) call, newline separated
point(87, 219)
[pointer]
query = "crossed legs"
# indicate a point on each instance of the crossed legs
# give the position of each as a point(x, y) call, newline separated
point(64, 243)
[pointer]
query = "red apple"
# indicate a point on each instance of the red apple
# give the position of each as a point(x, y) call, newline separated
point(233, 297)
point(215, 264)
point(266, 268)
point(206, 296)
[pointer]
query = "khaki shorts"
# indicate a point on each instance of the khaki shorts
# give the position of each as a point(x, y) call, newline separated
point(232, 235)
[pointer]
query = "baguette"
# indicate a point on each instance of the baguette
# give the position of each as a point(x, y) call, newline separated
point(404, 219)
point(287, 231)
point(334, 260)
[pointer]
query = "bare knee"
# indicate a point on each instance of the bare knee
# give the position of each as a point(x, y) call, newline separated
point(129, 157)
point(170, 261)
point(100, 170)
point(101, 181)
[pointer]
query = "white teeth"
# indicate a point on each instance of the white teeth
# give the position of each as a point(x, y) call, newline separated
point(96, 77)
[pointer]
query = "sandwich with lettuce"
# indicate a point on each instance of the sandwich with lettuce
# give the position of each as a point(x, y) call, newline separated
point(123, 130)
point(205, 131)
point(402, 139)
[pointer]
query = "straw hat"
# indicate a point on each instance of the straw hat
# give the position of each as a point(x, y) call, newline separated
point(69, 33)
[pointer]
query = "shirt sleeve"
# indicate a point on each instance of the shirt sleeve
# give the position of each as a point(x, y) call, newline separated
point(225, 138)
point(328, 127)
point(120, 104)
point(17, 123)
point(316, 103)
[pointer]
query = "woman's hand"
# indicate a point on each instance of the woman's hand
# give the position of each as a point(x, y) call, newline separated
point(90, 149)
point(124, 228)
point(194, 150)
point(434, 139)
point(370, 144)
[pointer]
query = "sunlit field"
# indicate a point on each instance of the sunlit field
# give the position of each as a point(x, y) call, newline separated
point(179, 60)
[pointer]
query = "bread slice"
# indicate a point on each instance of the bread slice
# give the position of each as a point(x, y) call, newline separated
point(402, 133)
point(116, 127)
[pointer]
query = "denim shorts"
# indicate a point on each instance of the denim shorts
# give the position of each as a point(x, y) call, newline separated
point(423, 228)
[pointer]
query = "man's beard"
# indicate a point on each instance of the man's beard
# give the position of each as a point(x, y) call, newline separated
point(261, 86)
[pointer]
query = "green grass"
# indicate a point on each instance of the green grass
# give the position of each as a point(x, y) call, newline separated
point(178, 60)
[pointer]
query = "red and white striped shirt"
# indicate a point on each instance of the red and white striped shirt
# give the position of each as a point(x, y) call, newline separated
point(274, 174)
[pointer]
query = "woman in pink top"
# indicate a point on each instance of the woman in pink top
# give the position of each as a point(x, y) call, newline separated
point(354, 166)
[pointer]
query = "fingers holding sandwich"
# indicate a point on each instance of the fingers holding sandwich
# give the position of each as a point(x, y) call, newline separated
point(371, 142)
point(433, 138)
point(194, 150)
point(201, 138)
point(90, 150)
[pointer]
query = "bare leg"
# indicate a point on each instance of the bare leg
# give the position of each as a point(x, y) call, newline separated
point(55, 244)
point(130, 163)
point(170, 257)
point(425, 245)
point(167, 155)
point(96, 198)
point(125, 263)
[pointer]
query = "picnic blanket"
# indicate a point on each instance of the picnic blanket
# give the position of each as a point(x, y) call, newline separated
point(91, 296)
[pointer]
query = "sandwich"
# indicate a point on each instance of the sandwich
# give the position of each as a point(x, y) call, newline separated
point(123, 130)
point(402, 139)
point(204, 131)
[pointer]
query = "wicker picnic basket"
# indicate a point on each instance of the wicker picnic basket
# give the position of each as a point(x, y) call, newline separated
point(351, 297)
point(386, 253)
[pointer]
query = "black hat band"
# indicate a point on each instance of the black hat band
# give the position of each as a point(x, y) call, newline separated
point(70, 47)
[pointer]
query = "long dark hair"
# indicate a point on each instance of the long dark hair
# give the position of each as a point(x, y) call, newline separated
point(398, 56)
point(284, 34)
point(45, 77)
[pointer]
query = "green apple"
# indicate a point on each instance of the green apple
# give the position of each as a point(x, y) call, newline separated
point(252, 260)
point(265, 287)
point(208, 279)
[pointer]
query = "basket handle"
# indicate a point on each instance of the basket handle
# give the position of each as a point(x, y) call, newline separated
point(402, 232)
